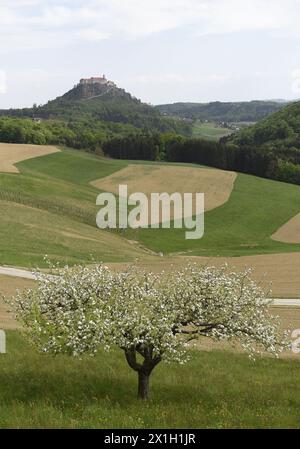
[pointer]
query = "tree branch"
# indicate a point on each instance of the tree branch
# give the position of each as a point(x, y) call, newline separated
point(130, 355)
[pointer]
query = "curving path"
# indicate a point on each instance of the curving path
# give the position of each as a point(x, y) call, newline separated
point(17, 272)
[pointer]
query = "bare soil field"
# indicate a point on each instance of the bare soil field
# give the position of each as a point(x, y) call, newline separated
point(289, 232)
point(11, 153)
point(8, 287)
point(282, 271)
point(216, 184)
point(290, 320)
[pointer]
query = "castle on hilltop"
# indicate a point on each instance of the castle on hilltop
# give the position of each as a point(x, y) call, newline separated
point(97, 80)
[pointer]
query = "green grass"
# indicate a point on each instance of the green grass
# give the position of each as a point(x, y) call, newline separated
point(60, 201)
point(215, 390)
point(59, 184)
point(243, 226)
point(209, 131)
point(28, 234)
point(73, 166)
point(50, 208)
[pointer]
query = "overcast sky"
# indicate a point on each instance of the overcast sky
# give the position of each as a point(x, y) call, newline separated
point(161, 51)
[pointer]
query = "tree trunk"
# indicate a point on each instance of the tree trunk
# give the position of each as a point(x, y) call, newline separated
point(143, 387)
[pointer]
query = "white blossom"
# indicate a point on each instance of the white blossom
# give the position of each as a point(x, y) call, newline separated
point(78, 310)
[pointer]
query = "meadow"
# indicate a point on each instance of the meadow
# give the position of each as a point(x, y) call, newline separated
point(209, 131)
point(50, 209)
point(244, 225)
point(216, 389)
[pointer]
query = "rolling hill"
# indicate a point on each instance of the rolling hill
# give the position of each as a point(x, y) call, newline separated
point(251, 111)
point(277, 138)
point(50, 209)
point(97, 100)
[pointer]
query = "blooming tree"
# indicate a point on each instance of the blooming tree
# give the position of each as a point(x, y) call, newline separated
point(151, 317)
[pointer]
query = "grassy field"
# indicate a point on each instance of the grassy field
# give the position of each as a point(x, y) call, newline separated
point(243, 226)
point(28, 234)
point(216, 389)
point(209, 131)
point(11, 153)
point(50, 209)
point(217, 184)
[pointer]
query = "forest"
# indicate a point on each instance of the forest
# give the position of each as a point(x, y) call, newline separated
point(217, 111)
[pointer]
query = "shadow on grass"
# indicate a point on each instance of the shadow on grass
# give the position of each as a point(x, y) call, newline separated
point(216, 389)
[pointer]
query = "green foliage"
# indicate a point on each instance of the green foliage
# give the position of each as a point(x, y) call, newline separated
point(78, 134)
point(100, 113)
point(209, 131)
point(217, 111)
point(144, 146)
point(276, 139)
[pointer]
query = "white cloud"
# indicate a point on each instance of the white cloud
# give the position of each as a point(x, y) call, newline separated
point(180, 78)
point(91, 35)
point(37, 23)
point(228, 16)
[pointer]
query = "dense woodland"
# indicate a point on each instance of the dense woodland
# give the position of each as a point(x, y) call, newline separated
point(269, 149)
point(277, 140)
point(250, 111)
point(172, 148)
point(80, 134)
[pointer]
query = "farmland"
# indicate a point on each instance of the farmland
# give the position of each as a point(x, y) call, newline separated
point(10, 154)
point(209, 131)
point(53, 194)
point(243, 226)
point(49, 208)
point(289, 232)
point(216, 184)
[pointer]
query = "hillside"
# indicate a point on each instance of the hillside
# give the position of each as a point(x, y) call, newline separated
point(277, 139)
point(217, 111)
point(97, 100)
point(49, 208)
point(60, 204)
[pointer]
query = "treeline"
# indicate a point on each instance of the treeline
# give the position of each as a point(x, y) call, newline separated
point(270, 149)
point(78, 134)
point(145, 147)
